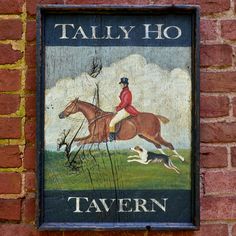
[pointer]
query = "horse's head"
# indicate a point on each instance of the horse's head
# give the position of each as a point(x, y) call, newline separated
point(71, 108)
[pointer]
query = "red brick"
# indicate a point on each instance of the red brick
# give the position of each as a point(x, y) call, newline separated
point(10, 128)
point(30, 106)
point(218, 208)
point(31, 4)
point(218, 132)
point(54, 233)
point(30, 182)
point(234, 106)
point(213, 157)
point(194, 2)
point(18, 230)
point(29, 210)
point(212, 230)
point(11, 29)
point(218, 82)
point(31, 30)
point(10, 156)
point(10, 183)
point(228, 28)
point(214, 6)
point(30, 83)
point(220, 182)
point(9, 103)
point(208, 30)
point(233, 156)
point(216, 55)
point(134, 2)
point(130, 233)
point(234, 230)
point(9, 80)
point(13, 6)
point(122, 233)
point(10, 209)
point(214, 106)
point(29, 158)
point(124, 2)
point(30, 55)
point(12, 55)
point(30, 131)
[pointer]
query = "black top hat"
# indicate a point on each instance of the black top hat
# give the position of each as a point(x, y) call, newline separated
point(124, 80)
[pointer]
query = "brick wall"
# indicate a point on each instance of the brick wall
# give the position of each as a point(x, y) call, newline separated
point(218, 117)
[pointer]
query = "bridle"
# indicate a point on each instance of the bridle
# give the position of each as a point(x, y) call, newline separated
point(99, 117)
point(74, 104)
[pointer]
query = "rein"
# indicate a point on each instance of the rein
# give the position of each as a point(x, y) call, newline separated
point(99, 117)
point(74, 105)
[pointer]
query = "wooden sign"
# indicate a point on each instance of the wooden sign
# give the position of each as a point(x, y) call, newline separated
point(118, 117)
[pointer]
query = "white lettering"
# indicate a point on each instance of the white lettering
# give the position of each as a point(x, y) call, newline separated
point(63, 27)
point(106, 207)
point(77, 203)
point(93, 204)
point(139, 202)
point(80, 31)
point(126, 31)
point(109, 27)
point(158, 31)
point(179, 32)
point(162, 207)
point(123, 202)
point(94, 35)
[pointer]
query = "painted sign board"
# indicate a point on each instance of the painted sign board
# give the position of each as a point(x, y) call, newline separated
point(118, 117)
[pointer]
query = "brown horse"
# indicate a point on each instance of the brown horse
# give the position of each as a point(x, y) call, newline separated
point(145, 125)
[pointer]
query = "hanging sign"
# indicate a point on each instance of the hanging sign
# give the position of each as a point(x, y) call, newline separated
point(118, 117)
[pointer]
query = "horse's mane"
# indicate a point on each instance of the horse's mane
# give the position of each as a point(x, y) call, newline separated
point(96, 109)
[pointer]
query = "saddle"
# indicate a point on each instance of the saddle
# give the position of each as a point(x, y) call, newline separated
point(119, 124)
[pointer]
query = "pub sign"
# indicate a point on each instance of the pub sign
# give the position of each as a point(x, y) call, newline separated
point(118, 117)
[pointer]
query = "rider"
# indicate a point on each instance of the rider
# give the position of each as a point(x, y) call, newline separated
point(124, 109)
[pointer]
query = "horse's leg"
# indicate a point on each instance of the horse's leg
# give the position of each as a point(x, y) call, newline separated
point(157, 145)
point(86, 141)
point(162, 141)
point(90, 139)
point(179, 156)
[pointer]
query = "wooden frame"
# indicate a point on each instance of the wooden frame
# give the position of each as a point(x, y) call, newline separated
point(42, 13)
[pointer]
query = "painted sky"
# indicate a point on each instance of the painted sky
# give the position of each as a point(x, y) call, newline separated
point(156, 88)
point(70, 62)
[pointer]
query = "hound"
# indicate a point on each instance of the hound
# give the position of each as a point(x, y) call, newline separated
point(145, 157)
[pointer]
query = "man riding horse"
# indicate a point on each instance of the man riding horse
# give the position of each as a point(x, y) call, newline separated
point(124, 109)
point(145, 125)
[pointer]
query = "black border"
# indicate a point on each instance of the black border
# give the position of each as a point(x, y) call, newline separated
point(110, 9)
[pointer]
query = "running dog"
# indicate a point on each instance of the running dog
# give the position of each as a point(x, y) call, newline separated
point(145, 157)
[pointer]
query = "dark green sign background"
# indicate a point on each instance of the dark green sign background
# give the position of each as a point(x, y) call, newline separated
point(59, 209)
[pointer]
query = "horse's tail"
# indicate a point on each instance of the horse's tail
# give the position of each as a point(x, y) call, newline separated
point(163, 119)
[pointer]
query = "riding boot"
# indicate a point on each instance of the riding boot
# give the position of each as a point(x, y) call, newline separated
point(112, 136)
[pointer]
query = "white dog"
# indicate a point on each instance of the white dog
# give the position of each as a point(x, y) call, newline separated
point(145, 157)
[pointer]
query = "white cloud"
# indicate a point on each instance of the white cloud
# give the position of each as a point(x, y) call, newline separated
point(154, 90)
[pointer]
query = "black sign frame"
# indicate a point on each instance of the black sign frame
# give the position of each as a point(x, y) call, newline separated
point(42, 13)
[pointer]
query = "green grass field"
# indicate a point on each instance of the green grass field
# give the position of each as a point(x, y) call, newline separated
point(103, 172)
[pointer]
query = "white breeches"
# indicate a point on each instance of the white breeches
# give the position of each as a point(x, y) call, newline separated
point(120, 115)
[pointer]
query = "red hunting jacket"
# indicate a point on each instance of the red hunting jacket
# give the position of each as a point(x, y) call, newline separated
point(126, 101)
